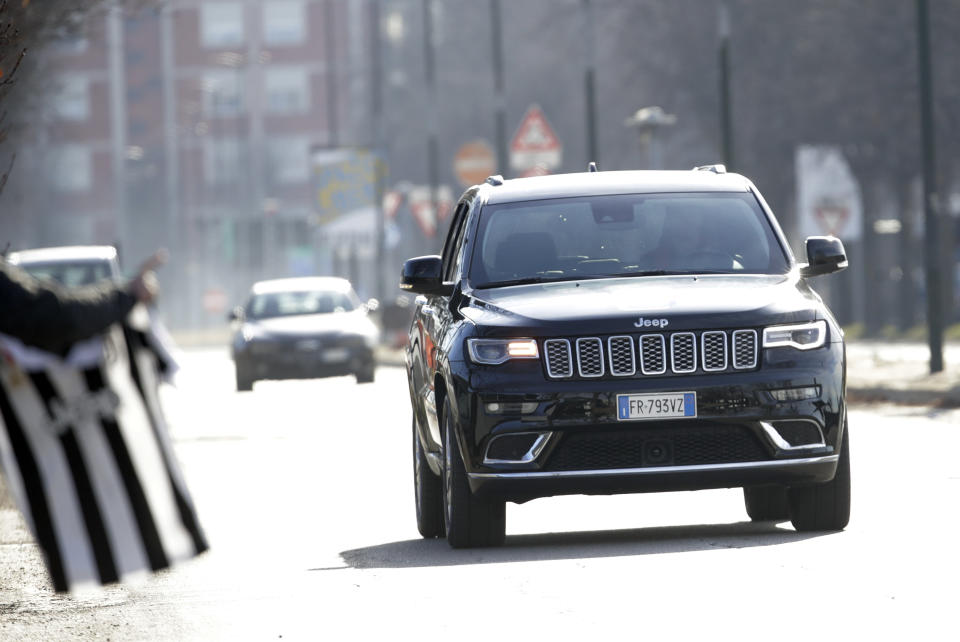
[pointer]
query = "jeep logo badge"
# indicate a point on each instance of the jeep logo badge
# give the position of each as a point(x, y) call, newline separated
point(647, 323)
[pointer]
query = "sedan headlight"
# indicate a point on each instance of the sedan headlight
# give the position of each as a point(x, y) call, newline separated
point(496, 351)
point(249, 332)
point(803, 336)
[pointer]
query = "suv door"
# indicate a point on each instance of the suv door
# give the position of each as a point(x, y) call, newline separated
point(432, 319)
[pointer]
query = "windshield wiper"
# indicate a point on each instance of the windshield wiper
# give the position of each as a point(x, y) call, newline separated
point(526, 281)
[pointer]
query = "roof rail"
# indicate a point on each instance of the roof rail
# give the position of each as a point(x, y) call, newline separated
point(716, 169)
point(496, 179)
point(592, 167)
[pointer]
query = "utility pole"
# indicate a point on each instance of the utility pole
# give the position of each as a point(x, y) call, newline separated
point(726, 120)
point(330, 52)
point(933, 265)
point(499, 107)
point(118, 123)
point(376, 112)
point(430, 73)
point(589, 84)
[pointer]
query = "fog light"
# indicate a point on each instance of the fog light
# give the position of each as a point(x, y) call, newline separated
point(796, 394)
point(511, 407)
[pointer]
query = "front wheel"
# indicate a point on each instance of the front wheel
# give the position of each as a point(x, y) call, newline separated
point(427, 491)
point(244, 380)
point(766, 503)
point(824, 507)
point(469, 521)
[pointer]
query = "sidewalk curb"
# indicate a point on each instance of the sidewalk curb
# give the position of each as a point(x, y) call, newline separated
point(907, 397)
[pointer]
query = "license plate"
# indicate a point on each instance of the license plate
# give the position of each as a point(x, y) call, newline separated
point(657, 405)
point(334, 355)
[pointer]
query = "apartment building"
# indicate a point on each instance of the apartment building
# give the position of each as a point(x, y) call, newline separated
point(191, 125)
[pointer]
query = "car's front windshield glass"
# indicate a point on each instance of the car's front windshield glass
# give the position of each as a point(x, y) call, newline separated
point(624, 235)
point(71, 273)
point(285, 304)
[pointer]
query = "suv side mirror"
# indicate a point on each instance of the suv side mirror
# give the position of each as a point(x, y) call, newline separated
point(424, 275)
point(236, 314)
point(825, 255)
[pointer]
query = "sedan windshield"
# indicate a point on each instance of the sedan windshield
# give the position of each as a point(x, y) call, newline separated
point(624, 235)
point(284, 304)
point(71, 273)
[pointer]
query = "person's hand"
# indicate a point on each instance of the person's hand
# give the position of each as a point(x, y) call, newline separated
point(144, 285)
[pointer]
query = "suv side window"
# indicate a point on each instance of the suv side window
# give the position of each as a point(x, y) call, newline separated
point(451, 249)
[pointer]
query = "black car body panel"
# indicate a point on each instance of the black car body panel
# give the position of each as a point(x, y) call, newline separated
point(534, 426)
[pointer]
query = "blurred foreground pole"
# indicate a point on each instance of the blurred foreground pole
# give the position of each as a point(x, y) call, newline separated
point(332, 75)
point(500, 114)
point(376, 112)
point(118, 125)
point(589, 85)
point(726, 123)
point(430, 72)
point(933, 265)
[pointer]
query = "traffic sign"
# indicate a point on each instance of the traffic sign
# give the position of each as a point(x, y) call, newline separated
point(535, 143)
point(473, 162)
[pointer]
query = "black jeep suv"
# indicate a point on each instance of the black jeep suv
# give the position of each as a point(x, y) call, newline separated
point(619, 332)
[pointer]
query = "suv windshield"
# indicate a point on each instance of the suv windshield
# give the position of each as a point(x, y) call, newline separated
point(624, 235)
point(285, 304)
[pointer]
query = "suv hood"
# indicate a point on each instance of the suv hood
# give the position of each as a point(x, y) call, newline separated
point(605, 306)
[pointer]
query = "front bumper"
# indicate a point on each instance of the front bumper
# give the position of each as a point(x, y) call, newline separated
point(303, 359)
point(742, 434)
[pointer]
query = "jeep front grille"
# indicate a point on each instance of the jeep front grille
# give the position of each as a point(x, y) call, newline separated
point(714, 351)
point(559, 359)
point(744, 349)
point(590, 357)
point(652, 354)
point(622, 361)
point(683, 352)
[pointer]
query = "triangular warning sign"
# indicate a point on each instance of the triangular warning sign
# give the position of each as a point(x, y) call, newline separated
point(535, 143)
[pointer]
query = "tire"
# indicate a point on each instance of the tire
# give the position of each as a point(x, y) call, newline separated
point(469, 521)
point(427, 492)
point(824, 507)
point(366, 374)
point(766, 503)
point(244, 381)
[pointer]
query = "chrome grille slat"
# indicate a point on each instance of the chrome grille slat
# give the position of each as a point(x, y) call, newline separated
point(683, 352)
point(653, 354)
point(744, 349)
point(559, 358)
point(590, 357)
point(714, 350)
point(622, 360)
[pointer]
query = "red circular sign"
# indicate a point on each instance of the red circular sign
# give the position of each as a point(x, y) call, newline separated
point(474, 162)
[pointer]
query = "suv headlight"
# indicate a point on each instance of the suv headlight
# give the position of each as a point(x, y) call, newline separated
point(803, 336)
point(496, 351)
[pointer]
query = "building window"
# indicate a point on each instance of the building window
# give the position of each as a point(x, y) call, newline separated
point(222, 160)
point(222, 93)
point(284, 23)
point(70, 168)
point(289, 160)
point(288, 90)
point(73, 99)
point(221, 24)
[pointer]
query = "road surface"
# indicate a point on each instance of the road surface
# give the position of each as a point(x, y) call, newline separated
point(304, 488)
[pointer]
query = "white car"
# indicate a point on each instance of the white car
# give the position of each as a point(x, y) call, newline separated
point(70, 265)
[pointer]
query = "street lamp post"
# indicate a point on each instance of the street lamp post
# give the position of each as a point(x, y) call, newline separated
point(726, 118)
point(647, 121)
